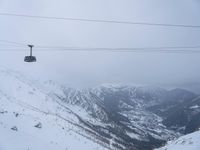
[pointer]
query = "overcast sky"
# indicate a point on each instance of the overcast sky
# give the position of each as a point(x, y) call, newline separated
point(82, 69)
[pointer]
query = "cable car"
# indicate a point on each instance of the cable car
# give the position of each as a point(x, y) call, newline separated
point(30, 58)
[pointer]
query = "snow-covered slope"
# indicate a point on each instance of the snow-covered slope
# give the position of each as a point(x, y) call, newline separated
point(32, 119)
point(34, 115)
point(187, 142)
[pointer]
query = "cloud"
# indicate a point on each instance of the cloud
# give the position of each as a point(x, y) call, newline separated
point(86, 68)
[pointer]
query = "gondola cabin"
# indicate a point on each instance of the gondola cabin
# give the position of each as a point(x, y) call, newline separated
point(30, 58)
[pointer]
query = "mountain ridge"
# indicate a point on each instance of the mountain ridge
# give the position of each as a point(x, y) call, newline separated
point(120, 117)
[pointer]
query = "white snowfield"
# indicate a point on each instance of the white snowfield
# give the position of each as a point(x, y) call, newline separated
point(32, 119)
point(187, 142)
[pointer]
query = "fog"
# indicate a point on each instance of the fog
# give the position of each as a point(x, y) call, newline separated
point(83, 69)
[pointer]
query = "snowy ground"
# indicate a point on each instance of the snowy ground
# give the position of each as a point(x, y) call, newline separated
point(187, 142)
point(23, 106)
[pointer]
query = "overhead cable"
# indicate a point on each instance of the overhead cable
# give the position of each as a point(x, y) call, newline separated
point(102, 21)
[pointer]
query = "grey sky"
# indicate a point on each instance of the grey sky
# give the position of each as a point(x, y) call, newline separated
point(91, 68)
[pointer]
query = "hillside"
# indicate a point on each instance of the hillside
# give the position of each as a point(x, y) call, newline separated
point(109, 116)
point(32, 119)
point(187, 142)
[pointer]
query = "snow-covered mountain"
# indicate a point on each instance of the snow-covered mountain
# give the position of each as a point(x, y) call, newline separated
point(33, 119)
point(34, 115)
point(187, 142)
